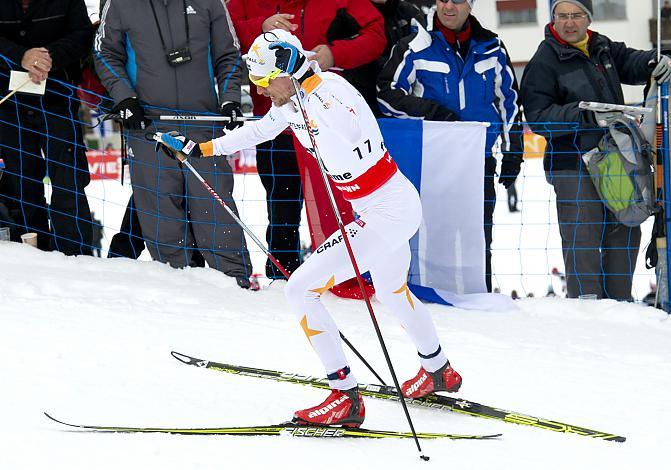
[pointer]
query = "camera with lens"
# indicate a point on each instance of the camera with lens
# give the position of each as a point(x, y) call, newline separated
point(179, 56)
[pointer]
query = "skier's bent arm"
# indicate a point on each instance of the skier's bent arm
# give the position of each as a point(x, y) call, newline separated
point(251, 134)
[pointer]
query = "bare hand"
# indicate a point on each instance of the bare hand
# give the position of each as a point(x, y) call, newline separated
point(279, 21)
point(323, 56)
point(37, 62)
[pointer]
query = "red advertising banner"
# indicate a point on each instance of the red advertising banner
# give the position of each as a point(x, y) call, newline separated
point(243, 161)
point(104, 164)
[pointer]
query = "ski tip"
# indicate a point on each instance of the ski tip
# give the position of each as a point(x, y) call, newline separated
point(52, 418)
point(189, 360)
point(181, 357)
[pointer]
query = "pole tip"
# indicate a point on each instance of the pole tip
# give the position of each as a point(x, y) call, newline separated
point(425, 458)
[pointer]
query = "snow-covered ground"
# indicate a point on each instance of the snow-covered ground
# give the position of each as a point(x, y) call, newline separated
point(89, 340)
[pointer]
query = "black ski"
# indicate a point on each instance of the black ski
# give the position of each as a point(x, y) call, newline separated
point(284, 429)
point(387, 392)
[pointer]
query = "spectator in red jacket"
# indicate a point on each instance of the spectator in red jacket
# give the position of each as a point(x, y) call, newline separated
point(278, 166)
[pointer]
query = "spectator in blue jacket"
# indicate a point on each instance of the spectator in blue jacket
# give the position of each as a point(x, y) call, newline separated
point(456, 70)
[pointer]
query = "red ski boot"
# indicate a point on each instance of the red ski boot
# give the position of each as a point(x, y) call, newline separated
point(341, 408)
point(445, 379)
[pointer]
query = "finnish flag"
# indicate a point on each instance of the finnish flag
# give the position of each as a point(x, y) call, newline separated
point(445, 162)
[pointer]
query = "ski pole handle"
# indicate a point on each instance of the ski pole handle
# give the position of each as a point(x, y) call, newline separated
point(607, 107)
point(206, 118)
point(181, 118)
point(176, 153)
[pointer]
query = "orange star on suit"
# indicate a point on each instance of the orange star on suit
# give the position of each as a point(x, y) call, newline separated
point(404, 288)
point(320, 290)
point(306, 329)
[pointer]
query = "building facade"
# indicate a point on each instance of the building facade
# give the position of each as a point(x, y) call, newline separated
point(521, 24)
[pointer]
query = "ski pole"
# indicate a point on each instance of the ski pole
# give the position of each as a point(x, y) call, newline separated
point(183, 117)
point(359, 279)
point(608, 107)
point(184, 161)
point(205, 117)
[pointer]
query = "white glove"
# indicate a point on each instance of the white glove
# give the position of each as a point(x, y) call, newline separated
point(176, 145)
point(604, 118)
point(662, 73)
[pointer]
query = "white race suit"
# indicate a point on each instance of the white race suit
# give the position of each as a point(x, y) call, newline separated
point(388, 211)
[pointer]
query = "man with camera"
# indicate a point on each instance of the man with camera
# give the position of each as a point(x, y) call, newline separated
point(176, 56)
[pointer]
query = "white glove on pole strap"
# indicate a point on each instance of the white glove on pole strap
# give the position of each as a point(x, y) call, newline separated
point(604, 118)
point(176, 145)
point(662, 73)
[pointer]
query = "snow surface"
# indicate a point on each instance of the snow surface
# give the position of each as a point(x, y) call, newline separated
point(89, 341)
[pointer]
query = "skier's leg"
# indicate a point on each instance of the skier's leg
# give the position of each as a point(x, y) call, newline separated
point(390, 277)
point(390, 274)
point(383, 227)
point(327, 266)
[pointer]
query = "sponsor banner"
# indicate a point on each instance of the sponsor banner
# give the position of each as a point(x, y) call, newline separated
point(104, 164)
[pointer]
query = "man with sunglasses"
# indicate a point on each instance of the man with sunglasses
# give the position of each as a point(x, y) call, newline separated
point(456, 70)
point(573, 64)
point(388, 215)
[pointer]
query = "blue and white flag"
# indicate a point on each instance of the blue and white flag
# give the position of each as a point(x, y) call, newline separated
point(445, 162)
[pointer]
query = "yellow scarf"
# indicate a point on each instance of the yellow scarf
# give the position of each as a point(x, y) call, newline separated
point(582, 45)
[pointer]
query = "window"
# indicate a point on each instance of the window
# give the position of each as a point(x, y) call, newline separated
point(516, 11)
point(610, 10)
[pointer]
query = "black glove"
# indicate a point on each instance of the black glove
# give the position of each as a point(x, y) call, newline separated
point(233, 111)
point(441, 113)
point(289, 59)
point(131, 114)
point(510, 168)
point(343, 26)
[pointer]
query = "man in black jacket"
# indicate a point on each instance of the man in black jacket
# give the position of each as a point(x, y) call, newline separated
point(576, 64)
point(398, 23)
point(41, 135)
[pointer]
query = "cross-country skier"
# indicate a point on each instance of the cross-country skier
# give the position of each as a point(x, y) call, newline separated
point(387, 204)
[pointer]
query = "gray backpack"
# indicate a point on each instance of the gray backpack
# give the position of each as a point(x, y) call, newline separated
point(623, 172)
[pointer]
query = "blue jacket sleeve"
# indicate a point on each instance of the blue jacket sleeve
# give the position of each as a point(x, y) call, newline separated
point(508, 103)
point(395, 86)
